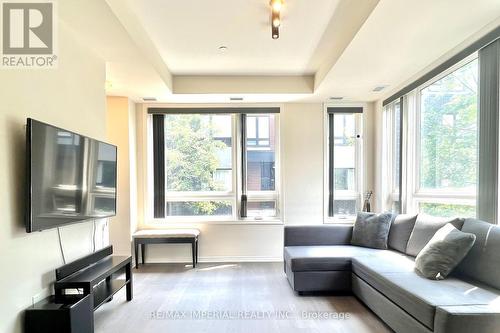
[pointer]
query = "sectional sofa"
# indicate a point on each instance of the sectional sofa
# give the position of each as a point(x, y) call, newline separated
point(320, 258)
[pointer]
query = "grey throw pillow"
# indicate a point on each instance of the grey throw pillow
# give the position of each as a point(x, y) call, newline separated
point(371, 230)
point(401, 228)
point(443, 252)
point(425, 227)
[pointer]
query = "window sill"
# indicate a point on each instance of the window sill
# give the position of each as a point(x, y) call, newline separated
point(332, 220)
point(168, 222)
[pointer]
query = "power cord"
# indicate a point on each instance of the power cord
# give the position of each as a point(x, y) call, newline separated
point(104, 227)
point(61, 246)
point(93, 235)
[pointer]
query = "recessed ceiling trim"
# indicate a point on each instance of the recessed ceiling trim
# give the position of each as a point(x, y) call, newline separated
point(347, 20)
point(141, 38)
point(243, 84)
point(475, 46)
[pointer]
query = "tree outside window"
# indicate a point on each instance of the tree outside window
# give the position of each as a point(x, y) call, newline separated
point(448, 139)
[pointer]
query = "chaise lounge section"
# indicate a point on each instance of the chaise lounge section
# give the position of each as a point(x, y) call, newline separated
point(321, 259)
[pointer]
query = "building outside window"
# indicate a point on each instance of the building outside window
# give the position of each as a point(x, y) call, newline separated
point(261, 165)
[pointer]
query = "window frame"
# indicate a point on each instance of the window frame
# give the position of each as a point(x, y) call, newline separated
point(415, 194)
point(234, 195)
point(360, 173)
point(258, 196)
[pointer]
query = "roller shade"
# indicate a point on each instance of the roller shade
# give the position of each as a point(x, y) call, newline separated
point(218, 110)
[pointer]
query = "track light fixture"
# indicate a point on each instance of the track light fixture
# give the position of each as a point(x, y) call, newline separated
point(276, 6)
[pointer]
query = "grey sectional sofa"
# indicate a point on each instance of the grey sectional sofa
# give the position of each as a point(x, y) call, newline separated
point(320, 258)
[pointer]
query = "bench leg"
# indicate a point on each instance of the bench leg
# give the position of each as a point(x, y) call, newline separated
point(193, 252)
point(136, 251)
point(143, 253)
point(196, 255)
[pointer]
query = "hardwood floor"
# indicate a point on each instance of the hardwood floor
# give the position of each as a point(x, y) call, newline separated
point(240, 297)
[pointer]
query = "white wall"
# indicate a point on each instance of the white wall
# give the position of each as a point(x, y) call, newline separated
point(121, 132)
point(71, 96)
point(302, 166)
point(302, 131)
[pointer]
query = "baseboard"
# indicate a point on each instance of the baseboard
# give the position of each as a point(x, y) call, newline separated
point(215, 259)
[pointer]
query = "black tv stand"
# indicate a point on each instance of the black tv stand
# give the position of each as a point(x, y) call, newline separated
point(96, 275)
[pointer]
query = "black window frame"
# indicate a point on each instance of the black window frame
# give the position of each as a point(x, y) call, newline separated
point(159, 174)
point(331, 111)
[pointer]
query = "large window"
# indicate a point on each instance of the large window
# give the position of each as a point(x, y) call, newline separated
point(446, 141)
point(198, 161)
point(198, 174)
point(344, 155)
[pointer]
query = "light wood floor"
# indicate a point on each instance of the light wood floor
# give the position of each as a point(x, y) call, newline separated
point(247, 297)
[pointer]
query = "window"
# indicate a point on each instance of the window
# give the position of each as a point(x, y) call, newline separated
point(344, 150)
point(261, 165)
point(198, 163)
point(258, 130)
point(447, 144)
point(197, 170)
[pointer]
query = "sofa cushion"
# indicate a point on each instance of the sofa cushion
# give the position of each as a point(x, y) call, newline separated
point(323, 258)
point(444, 252)
point(401, 228)
point(425, 227)
point(482, 263)
point(371, 230)
point(467, 318)
point(417, 295)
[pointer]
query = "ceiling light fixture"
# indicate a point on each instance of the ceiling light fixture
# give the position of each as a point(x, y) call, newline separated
point(276, 22)
point(276, 6)
point(223, 48)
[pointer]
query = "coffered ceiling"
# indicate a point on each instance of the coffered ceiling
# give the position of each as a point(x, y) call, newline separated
point(326, 47)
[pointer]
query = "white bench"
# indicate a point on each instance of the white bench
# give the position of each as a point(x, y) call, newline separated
point(163, 236)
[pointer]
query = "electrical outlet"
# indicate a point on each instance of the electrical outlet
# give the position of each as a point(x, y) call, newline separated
point(38, 297)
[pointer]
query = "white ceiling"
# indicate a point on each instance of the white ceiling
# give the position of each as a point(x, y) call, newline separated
point(343, 48)
point(188, 34)
point(400, 39)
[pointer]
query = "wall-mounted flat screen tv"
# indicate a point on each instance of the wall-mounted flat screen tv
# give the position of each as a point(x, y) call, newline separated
point(70, 177)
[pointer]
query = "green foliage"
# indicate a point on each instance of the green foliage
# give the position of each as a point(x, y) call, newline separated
point(449, 148)
point(447, 210)
point(192, 158)
point(449, 138)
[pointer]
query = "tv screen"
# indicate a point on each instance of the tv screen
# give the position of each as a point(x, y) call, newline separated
point(70, 177)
